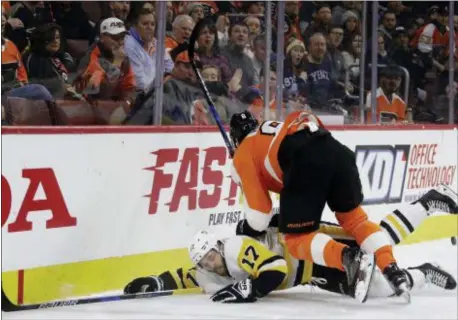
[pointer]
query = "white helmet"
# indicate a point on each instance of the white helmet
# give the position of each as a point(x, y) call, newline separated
point(202, 243)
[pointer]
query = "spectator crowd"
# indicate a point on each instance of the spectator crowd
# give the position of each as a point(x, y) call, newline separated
point(94, 63)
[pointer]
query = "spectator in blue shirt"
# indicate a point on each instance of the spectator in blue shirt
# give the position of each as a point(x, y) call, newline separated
point(140, 47)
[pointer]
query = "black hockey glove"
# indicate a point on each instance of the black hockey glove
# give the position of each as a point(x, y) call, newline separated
point(244, 229)
point(241, 292)
point(144, 284)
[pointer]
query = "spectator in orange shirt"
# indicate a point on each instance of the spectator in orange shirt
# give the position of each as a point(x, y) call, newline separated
point(181, 31)
point(105, 72)
point(14, 76)
point(390, 106)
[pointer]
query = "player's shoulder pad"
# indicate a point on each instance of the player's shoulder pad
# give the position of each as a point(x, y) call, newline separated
point(232, 246)
point(235, 244)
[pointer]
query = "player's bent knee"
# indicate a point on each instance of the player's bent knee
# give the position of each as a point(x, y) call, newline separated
point(299, 245)
point(351, 219)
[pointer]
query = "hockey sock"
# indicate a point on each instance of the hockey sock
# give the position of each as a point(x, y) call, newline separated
point(316, 247)
point(398, 225)
point(368, 235)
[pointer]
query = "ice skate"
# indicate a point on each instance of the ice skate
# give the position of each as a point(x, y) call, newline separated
point(441, 198)
point(398, 281)
point(436, 276)
point(359, 267)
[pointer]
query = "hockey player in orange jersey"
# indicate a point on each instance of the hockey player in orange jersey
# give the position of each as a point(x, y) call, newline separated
point(300, 160)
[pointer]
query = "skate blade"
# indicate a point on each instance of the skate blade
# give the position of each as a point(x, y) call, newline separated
point(366, 271)
point(405, 294)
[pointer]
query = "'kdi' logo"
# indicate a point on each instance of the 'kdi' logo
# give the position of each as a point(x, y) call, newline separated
point(382, 170)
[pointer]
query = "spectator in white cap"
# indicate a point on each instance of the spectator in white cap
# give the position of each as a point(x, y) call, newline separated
point(113, 9)
point(105, 72)
point(140, 46)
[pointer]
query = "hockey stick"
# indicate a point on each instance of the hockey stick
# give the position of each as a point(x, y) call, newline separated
point(211, 104)
point(8, 306)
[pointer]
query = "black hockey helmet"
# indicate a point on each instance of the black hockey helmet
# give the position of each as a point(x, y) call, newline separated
point(242, 124)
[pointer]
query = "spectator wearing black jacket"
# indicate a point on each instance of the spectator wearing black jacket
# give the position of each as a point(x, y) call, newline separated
point(46, 62)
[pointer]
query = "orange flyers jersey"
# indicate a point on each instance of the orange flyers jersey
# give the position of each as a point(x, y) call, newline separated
point(255, 166)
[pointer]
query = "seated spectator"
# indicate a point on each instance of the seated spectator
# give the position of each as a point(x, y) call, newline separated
point(434, 34)
point(405, 56)
point(105, 72)
point(181, 31)
point(321, 22)
point(390, 106)
point(116, 9)
point(403, 13)
point(293, 21)
point(334, 41)
point(209, 50)
point(290, 102)
point(184, 102)
point(136, 7)
point(222, 25)
point(140, 47)
point(170, 16)
point(252, 7)
point(259, 53)
point(180, 92)
point(321, 84)
point(351, 27)
point(351, 56)
point(13, 71)
point(15, 79)
point(387, 28)
point(339, 10)
point(294, 74)
point(32, 14)
point(47, 63)
point(212, 78)
point(382, 54)
point(195, 11)
point(76, 28)
point(209, 7)
point(238, 59)
point(254, 27)
point(414, 25)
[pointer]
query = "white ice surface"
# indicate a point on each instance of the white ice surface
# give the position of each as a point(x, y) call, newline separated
point(297, 303)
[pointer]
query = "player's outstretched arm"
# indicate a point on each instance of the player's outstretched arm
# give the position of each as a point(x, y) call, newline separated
point(169, 280)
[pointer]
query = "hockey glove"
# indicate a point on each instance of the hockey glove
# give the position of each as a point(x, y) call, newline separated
point(241, 292)
point(244, 229)
point(144, 284)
